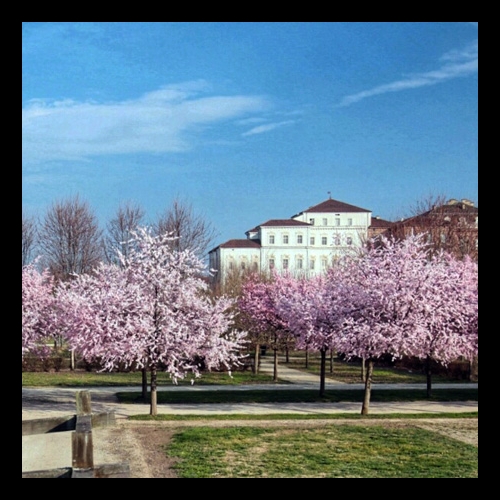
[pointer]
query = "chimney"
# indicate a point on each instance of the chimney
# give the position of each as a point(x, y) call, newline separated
point(467, 202)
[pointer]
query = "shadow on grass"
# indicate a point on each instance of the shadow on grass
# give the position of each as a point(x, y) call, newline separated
point(299, 396)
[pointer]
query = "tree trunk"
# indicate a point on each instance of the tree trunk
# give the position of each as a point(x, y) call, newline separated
point(332, 353)
point(275, 374)
point(153, 409)
point(307, 357)
point(257, 358)
point(368, 388)
point(474, 369)
point(287, 354)
point(144, 384)
point(429, 376)
point(72, 360)
point(322, 373)
point(363, 369)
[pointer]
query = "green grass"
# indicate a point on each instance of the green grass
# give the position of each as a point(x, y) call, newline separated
point(379, 448)
point(93, 379)
point(299, 396)
point(350, 372)
point(296, 416)
point(331, 451)
point(342, 371)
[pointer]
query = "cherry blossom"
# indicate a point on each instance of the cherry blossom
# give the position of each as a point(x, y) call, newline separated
point(152, 311)
point(37, 302)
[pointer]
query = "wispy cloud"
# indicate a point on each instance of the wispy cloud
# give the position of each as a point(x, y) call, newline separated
point(456, 63)
point(260, 129)
point(251, 121)
point(163, 120)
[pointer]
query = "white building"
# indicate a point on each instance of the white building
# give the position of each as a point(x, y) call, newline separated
point(304, 244)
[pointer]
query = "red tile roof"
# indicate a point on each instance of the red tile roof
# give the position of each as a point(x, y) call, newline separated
point(240, 244)
point(459, 208)
point(333, 206)
point(377, 222)
point(284, 222)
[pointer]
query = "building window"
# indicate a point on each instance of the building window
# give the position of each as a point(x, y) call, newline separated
point(285, 263)
point(285, 239)
point(299, 263)
point(299, 239)
point(311, 240)
point(324, 263)
point(311, 264)
point(311, 221)
point(324, 240)
point(325, 222)
point(271, 263)
point(255, 266)
point(243, 265)
point(271, 239)
point(349, 240)
point(337, 221)
point(349, 222)
point(337, 240)
point(231, 265)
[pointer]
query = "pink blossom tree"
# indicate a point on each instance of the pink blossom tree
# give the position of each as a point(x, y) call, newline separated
point(399, 299)
point(37, 301)
point(383, 283)
point(448, 316)
point(259, 302)
point(152, 312)
point(314, 310)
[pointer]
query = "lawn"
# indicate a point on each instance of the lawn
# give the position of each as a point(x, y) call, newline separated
point(83, 378)
point(347, 372)
point(271, 446)
point(350, 372)
point(380, 450)
point(299, 396)
point(343, 371)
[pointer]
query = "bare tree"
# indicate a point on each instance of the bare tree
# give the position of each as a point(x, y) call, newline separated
point(119, 230)
point(29, 238)
point(70, 238)
point(118, 238)
point(191, 230)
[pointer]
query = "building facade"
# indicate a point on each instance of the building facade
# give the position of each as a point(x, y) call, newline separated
point(305, 244)
point(451, 226)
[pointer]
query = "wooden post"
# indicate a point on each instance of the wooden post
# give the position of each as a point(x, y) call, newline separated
point(82, 444)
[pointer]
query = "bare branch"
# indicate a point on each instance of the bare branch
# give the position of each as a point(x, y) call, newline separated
point(29, 238)
point(70, 238)
point(119, 230)
point(191, 230)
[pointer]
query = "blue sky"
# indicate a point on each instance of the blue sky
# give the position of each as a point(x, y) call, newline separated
point(246, 121)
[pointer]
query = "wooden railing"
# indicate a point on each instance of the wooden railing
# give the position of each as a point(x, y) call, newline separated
point(82, 446)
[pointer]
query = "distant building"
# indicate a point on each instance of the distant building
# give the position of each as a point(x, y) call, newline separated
point(305, 244)
point(451, 226)
point(379, 226)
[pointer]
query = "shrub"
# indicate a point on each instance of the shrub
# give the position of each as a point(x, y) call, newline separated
point(42, 364)
point(457, 370)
